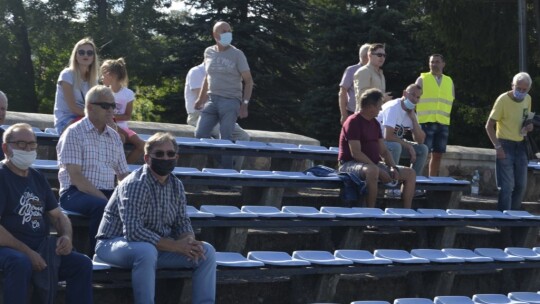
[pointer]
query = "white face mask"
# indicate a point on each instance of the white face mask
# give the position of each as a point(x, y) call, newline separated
point(23, 159)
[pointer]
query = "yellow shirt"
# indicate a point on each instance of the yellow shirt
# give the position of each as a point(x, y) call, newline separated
point(367, 78)
point(510, 116)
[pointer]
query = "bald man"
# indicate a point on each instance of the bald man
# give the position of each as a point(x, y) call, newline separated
point(3, 110)
point(227, 87)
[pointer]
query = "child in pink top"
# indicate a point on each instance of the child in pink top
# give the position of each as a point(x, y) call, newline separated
point(114, 75)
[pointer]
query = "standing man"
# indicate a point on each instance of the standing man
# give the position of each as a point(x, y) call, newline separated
point(510, 117)
point(28, 253)
point(398, 116)
point(145, 227)
point(347, 99)
point(192, 89)
point(361, 147)
point(222, 95)
point(371, 75)
point(3, 110)
point(434, 109)
point(90, 155)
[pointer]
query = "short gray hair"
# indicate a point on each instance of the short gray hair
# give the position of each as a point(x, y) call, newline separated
point(363, 50)
point(157, 139)
point(3, 96)
point(96, 94)
point(522, 76)
point(8, 135)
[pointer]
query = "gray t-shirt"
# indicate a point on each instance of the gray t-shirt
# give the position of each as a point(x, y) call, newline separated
point(61, 109)
point(224, 71)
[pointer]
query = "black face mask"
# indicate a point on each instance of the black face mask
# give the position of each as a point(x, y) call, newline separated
point(162, 167)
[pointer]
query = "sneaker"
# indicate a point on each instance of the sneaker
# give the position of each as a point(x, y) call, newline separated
point(394, 193)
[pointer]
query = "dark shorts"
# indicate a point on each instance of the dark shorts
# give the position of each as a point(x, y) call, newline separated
point(436, 136)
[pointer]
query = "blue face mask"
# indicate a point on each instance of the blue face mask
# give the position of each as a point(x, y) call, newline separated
point(519, 95)
point(408, 104)
point(225, 39)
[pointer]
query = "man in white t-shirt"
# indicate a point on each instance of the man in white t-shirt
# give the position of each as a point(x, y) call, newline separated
point(397, 117)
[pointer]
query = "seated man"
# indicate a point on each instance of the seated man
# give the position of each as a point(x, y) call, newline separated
point(90, 154)
point(28, 253)
point(361, 147)
point(396, 117)
point(145, 226)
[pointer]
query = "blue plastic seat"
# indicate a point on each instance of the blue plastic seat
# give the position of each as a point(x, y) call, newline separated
point(399, 256)
point(492, 298)
point(408, 213)
point(296, 175)
point(467, 255)
point(320, 257)
point(522, 214)
point(468, 214)
point(439, 213)
point(336, 149)
point(343, 212)
point(284, 146)
point(235, 259)
point(370, 302)
point(223, 172)
point(498, 255)
point(360, 256)
point(528, 297)
point(446, 180)
point(496, 214)
point(318, 149)
point(260, 174)
point(413, 301)
point(219, 142)
point(267, 211)
point(258, 145)
point(96, 266)
point(436, 256)
point(526, 253)
point(276, 258)
point(188, 171)
point(190, 141)
point(226, 211)
point(375, 212)
point(193, 212)
point(306, 211)
point(453, 300)
point(72, 213)
point(5, 126)
point(51, 131)
point(45, 164)
point(102, 264)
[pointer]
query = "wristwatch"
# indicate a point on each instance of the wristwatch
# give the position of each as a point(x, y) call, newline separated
point(246, 101)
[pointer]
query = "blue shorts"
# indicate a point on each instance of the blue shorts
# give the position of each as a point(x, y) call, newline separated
point(436, 136)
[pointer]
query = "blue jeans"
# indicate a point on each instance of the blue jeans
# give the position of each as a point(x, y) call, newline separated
point(421, 150)
point(512, 174)
point(220, 110)
point(75, 269)
point(92, 206)
point(144, 258)
point(436, 136)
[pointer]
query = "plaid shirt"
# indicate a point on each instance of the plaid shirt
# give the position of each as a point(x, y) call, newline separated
point(101, 156)
point(141, 209)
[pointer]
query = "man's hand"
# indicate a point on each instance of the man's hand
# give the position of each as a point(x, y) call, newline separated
point(63, 245)
point(191, 248)
point(38, 263)
point(500, 153)
point(412, 153)
point(199, 104)
point(243, 112)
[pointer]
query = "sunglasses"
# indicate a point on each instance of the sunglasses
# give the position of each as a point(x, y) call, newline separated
point(105, 105)
point(160, 154)
point(23, 144)
point(379, 55)
point(87, 52)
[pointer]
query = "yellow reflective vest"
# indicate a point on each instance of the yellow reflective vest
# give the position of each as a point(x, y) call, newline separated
point(436, 102)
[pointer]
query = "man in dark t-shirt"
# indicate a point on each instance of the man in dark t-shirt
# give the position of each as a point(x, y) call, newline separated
point(361, 147)
point(27, 210)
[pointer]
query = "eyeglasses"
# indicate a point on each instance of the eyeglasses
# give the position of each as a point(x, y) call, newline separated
point(160, 154)
point(379, 55)
point(23, 144)
point(105, 105)
point(88, 53)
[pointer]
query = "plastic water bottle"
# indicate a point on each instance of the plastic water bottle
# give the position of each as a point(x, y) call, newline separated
point(475, 183)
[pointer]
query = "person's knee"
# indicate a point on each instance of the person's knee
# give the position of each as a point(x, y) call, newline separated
point(421, 149)
point(408, 175)
point(209, 251)
point(371, 173)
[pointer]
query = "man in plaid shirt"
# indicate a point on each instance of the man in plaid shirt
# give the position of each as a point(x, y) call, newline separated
point(90, 156)
point(145, 226)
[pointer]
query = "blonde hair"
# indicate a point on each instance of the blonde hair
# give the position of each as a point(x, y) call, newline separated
point(116, 67)
point(92, 74)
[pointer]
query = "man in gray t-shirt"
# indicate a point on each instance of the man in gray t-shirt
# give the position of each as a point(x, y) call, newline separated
point(223, 98)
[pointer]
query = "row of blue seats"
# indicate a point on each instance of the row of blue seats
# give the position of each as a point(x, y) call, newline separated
point(353, 212)
point(219, 143)
point(511, 298)
point(344, 257)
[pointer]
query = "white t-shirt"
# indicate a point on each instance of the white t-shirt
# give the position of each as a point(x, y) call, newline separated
point(61, 109)
point(122, 98)
point(392, 115)
point(194, 81)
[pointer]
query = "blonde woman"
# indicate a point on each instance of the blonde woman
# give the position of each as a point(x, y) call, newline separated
point(73, 84)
